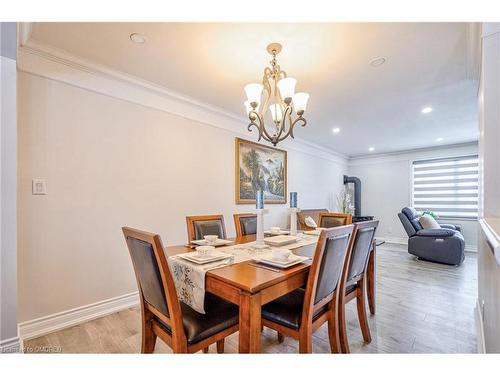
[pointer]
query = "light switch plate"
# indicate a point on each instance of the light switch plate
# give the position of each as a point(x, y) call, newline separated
point(38, 186)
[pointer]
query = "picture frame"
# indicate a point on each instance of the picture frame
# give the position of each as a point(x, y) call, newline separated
point(260, 167)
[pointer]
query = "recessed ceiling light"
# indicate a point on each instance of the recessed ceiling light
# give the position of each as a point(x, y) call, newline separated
point(427, 110)
point(336, 130)
point(371, 149)
point(376, 62)
point(138, 38)
point(439, 139)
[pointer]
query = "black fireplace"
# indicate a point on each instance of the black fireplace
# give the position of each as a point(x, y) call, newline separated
point(357, 199)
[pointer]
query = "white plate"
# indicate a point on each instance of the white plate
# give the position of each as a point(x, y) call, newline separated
point(291, 261)
point(202, 259)
point(280, 240)
point(271, 233)
point(219, 242)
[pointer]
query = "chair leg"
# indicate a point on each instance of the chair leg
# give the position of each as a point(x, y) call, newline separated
point(333, 334)
point(148, 337)
point(342, 327)
point(220, 346)
point(205, 349)
point(361, 304)
point(281, 338)
point(305, 341)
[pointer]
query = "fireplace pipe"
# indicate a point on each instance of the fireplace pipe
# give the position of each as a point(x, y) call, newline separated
point(357, 193)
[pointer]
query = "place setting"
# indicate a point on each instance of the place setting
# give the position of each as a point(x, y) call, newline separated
point(209, 240)
point(277, 259)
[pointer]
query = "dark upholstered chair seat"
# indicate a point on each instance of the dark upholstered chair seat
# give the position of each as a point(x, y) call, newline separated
point(287, 310)
point(219, 315)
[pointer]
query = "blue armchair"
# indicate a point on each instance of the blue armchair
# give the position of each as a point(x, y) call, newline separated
point(444, 245)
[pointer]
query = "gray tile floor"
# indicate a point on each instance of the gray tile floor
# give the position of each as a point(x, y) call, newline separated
point(422, 307)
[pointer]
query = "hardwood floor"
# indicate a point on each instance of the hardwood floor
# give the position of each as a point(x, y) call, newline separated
point(422, 307)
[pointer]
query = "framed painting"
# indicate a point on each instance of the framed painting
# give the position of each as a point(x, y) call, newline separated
point(259, 167)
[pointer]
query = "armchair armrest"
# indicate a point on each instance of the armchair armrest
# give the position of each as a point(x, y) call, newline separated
point(436, 232)
point(451, 226)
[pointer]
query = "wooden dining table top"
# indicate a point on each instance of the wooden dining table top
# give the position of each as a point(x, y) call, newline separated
point(247, 277)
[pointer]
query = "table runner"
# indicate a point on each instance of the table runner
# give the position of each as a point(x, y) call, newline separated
point(189, 278)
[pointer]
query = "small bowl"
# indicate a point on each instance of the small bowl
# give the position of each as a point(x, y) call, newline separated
point(281, 254)
point(205, 250)
point(275, 229)
point(211, 238)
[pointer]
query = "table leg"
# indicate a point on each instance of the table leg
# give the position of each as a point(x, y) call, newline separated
point(372, 281)
point(250, 323)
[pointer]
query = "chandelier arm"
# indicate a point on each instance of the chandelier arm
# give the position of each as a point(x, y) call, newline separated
point(260, 126)
point(252, 115)
point(297, 120)
point(283, 124)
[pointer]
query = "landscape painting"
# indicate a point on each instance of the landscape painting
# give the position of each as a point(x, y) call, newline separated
point(259, 167)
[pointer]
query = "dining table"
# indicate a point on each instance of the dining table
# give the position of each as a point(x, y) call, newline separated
point(251, 286)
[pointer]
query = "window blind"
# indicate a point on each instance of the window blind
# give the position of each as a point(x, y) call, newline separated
point(447, 186)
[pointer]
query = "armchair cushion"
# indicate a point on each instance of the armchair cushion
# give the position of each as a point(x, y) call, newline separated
point(436, 232)
point(412, 216)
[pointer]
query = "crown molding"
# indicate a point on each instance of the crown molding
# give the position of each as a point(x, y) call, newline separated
point(418, 153)
point(24, 31)
point(46, 61)
point(473, 51)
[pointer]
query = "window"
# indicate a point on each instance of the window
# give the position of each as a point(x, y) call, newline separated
point(447, 186)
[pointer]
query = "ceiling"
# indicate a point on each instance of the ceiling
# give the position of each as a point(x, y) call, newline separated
point(427, 64)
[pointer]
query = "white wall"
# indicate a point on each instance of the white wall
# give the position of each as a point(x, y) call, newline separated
point(386, 189)
point(9, 340)
point(110, 163)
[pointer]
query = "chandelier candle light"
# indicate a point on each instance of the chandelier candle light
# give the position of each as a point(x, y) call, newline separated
point(276, 93)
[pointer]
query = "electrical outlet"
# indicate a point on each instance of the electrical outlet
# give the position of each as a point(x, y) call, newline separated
point(38, 186)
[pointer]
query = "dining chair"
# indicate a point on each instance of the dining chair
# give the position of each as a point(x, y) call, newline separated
point(333, 219)
point(245, 224)
point(163, 315)
point(199, 226)
point(356, 281)
point(299, 313)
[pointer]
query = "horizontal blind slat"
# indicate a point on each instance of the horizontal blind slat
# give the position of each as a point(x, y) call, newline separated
point(447, 186)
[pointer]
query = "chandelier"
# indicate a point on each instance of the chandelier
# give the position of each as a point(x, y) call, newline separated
point(276, 93)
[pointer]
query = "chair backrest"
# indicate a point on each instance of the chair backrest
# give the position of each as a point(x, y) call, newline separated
point(245, 224)
point(412, 217)
point(199, 226)
point(327, 269)
point(363, 242)
point(313, 213)
point(334, 219)
point(154, 280)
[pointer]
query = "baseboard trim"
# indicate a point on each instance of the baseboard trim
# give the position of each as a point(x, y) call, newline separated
point(481, 346)
point(55, 322)
point(12, 345)
point(404, 241)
